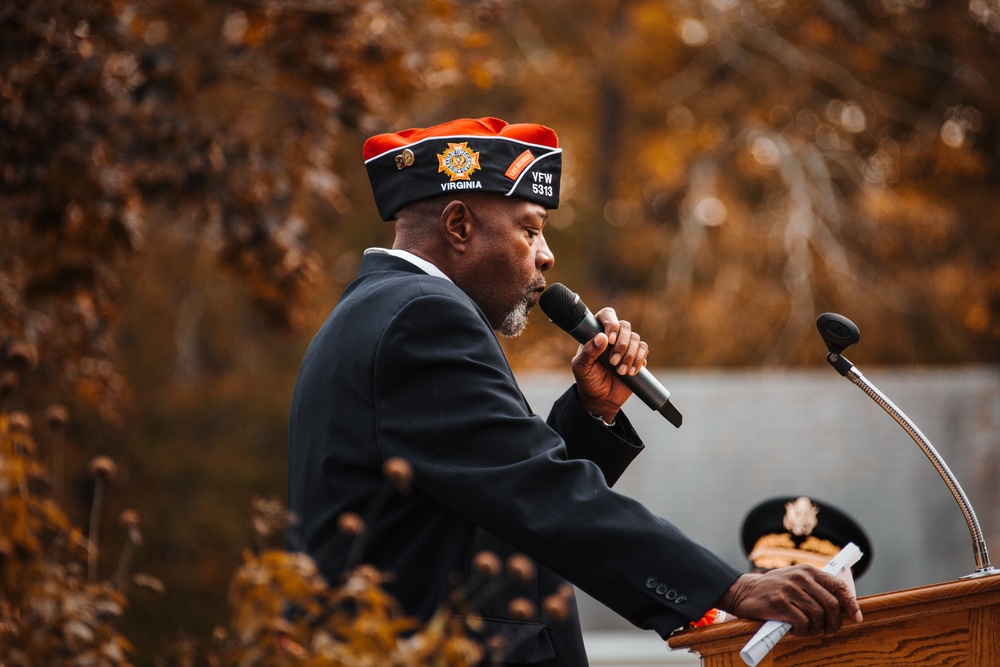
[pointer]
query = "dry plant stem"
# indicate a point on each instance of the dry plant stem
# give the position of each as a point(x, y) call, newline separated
point(58, 467)
point(358, 546)
point(95, 521)
point(123, 566)
point(294, 539)
point(22, 485)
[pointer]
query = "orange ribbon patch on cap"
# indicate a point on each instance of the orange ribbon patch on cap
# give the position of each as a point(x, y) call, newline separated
point(518, 165)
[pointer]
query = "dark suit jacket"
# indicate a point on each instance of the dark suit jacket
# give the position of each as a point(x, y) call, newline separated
point(407, 365)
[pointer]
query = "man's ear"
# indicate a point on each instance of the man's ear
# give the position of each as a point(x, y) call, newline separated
point(456, 224)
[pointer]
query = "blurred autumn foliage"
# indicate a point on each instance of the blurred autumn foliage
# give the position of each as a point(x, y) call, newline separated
point(182, 199)
point(739, 168)
point(55, 609)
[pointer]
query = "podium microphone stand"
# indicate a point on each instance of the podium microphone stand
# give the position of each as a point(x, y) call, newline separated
point(951, 623)
point(839, 333)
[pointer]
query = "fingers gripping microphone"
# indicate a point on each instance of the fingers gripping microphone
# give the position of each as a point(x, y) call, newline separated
point(566, 310)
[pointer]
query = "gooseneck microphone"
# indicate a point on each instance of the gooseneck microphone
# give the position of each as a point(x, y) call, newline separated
point(569, 313)
point(839, 333)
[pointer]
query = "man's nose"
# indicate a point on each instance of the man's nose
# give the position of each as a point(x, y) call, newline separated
point(545, 259)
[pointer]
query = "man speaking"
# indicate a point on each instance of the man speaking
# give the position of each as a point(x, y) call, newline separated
point(408, 366)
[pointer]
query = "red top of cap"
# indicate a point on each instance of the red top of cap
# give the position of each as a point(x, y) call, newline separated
point(485, 127)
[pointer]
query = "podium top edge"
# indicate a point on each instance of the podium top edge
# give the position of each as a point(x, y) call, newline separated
point(878, 608)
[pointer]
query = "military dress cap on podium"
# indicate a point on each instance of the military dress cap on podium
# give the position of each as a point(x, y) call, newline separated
point(952, 622)
point(789, 530)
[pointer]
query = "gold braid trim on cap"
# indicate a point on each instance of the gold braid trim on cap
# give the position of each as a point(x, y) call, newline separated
point(778, 550)
point(824, 547)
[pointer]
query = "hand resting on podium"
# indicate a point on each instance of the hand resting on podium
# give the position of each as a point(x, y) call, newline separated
point(811, 601)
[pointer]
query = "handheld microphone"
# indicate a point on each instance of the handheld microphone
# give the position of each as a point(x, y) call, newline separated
point(569, 313)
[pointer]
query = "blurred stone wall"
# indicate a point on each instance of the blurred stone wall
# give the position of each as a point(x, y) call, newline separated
point(751, 435)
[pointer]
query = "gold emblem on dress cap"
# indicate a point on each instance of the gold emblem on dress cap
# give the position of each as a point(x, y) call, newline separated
point(404, 159)
point(800, 516)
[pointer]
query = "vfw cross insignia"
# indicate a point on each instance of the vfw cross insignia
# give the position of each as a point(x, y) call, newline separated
point(458, 161)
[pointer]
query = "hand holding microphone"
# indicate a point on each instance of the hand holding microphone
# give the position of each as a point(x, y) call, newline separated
point(566, 310)
point(601, 364)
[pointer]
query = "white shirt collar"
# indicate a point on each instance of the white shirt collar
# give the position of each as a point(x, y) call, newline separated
point(419, 262)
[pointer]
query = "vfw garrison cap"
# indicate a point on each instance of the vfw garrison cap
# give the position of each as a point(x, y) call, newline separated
point(466, 155)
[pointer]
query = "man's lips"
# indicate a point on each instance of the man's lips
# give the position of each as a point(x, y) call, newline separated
point(536, 292)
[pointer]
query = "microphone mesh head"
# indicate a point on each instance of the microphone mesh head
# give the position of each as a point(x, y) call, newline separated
point(563, 306)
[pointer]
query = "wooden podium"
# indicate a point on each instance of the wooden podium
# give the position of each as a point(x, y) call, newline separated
point(953, 624)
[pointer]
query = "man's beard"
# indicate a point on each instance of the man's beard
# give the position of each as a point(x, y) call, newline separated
point(516, 319)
